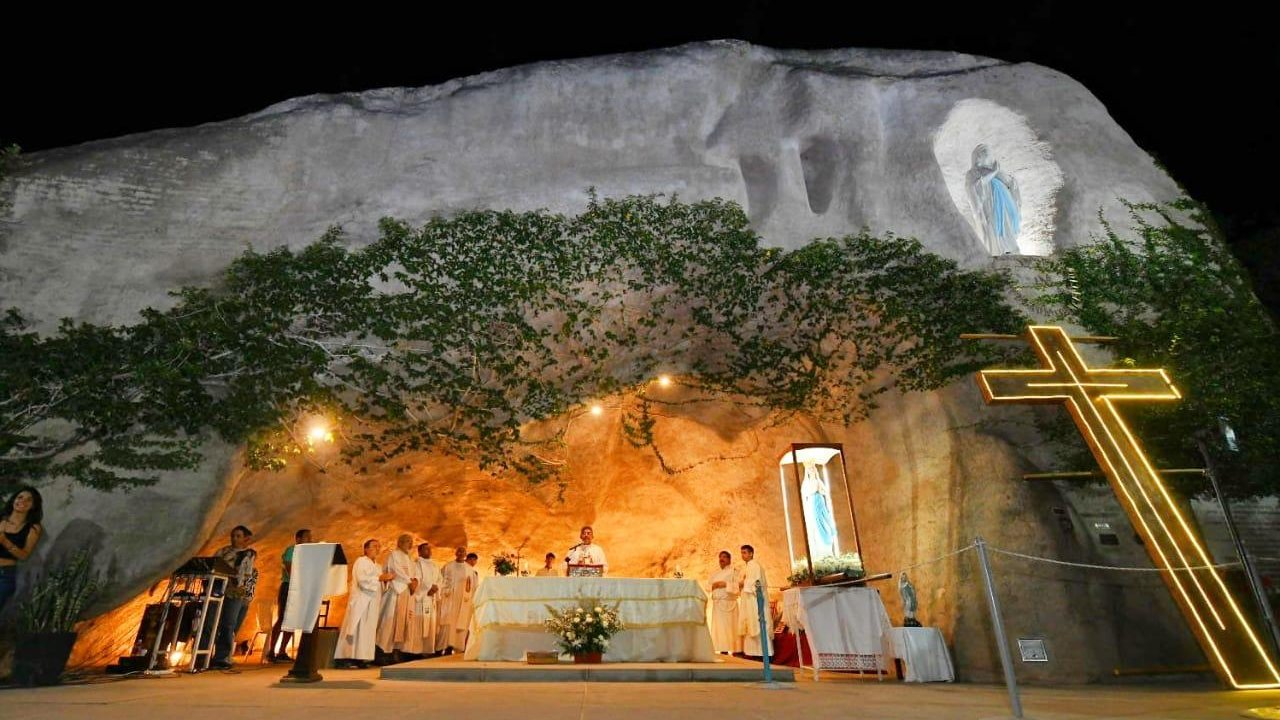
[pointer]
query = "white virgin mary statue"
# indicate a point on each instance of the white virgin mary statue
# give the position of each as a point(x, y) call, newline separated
point(993, 193)
point(824, 540)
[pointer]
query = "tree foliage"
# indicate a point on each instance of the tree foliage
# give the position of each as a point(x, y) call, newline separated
point(1176, 298)
point(455, 335)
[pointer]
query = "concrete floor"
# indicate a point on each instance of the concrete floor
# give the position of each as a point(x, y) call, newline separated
point(449, 669)
point(257, 693)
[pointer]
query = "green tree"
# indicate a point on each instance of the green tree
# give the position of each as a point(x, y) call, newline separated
point(1176, 297)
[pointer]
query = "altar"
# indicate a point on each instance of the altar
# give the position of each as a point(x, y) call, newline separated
point(846, 627)
point(666, 619)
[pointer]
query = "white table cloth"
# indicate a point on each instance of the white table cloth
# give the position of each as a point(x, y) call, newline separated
point(312, 578)
point(924, 652)
point(844, 626)
point(666, 619)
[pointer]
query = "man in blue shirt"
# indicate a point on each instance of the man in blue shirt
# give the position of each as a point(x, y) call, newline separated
point(303, 536)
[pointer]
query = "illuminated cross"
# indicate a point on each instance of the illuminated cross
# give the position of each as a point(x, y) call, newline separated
point(1092, 395)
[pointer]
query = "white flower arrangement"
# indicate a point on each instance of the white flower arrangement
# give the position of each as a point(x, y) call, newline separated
point(849, 565)
point(584, 629)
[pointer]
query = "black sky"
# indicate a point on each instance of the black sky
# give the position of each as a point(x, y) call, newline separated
point(1195, 87)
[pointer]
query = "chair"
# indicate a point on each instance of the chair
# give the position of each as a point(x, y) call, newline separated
point(262, 609)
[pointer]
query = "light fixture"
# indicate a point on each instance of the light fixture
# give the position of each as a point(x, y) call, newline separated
point(319, 432)
point(664, 381)
point(597, 409)
point(178, 654)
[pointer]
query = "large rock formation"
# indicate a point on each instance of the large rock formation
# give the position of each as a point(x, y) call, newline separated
point(966, 153)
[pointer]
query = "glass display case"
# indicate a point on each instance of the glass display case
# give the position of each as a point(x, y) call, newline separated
point(822, 529)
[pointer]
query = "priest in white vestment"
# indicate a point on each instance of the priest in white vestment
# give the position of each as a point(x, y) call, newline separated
point(726, 635)
point(454, 592)
point(462, 628)
point(587, 552)
point(748, 611)
point(424, 622)
point(397, 596)
point(358, 636)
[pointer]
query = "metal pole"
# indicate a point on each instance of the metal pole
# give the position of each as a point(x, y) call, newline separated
point(1250, 570)
point(764, 633)
point(997, 622)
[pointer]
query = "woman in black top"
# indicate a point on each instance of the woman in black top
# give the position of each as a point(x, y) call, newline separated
point(20, 530)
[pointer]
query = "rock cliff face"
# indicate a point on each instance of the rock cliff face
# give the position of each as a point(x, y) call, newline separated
point(973, 156)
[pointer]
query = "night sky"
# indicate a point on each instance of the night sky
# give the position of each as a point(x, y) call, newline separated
point(1196, 88)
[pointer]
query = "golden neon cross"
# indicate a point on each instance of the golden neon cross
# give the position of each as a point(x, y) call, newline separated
point(1092, 396)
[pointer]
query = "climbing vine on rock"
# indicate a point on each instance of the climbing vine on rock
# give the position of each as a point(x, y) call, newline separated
point(457, 335)
point(1176, 298)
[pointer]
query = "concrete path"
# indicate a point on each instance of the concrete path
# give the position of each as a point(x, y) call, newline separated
point(257, 694)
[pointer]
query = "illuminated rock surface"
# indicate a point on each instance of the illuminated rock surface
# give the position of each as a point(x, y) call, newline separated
point(810, 143)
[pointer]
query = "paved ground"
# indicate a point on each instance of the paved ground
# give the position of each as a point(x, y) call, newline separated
point(256, 693)
point(455, 669)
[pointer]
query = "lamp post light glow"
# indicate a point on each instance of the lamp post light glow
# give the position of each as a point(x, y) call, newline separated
point(664, 381)
point(597, 409)
point(1093, 396)
point(318, 433)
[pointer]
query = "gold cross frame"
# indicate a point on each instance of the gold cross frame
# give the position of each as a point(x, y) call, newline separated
point(1092, 395)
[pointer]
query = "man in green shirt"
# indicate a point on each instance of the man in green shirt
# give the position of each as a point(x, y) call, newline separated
point(303, 536)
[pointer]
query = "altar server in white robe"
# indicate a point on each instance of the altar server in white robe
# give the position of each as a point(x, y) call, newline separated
point(726, 635)
point(463, 626)
point(424, 623)
point(358, 636)
point(587, 552)
point(748, 612)
point(397, 596)
point(454, 592)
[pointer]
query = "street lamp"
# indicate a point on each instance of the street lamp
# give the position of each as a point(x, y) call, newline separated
point(1250, 570)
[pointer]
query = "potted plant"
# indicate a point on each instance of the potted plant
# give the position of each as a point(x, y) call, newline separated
point(47, 620)
point(584, 631)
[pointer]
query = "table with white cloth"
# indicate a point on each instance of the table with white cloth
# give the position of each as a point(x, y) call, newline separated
point(665, 619)
point(846, 627)
point(924, 651)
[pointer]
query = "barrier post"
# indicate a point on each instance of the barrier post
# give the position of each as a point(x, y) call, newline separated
point(765, 640)
point(997, 622)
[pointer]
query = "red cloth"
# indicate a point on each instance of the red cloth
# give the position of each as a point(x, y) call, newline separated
point(785, 651)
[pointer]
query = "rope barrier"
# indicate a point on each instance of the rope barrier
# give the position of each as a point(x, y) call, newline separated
point(1037, 558)
point(940, 558)
point(1090, 566)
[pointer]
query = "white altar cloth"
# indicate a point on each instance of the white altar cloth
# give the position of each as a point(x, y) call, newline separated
point(924, 652)
point(313, 577)
point(845, 626)
point(666, 619)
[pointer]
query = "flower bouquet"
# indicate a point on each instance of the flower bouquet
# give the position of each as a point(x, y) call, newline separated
point(504, 563)
point(584, 631)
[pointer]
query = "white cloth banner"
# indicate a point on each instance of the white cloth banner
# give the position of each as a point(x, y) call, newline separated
point(924, 651)
point(844, 626)
point(666, 618)
point(312, 578)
